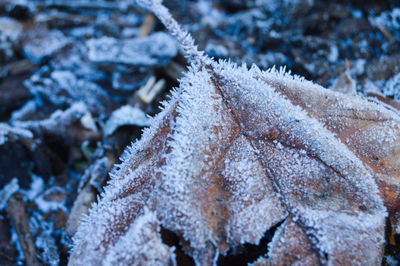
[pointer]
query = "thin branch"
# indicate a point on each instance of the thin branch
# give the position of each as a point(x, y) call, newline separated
point(18, 216)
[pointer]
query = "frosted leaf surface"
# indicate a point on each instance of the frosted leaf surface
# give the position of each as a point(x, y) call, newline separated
point(156, 49)
point(148, 249)
point(125, 115)
point(234, 152)
point(92, 4)
point(234, 157)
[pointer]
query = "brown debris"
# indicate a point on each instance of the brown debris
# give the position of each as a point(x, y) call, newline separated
point(18, 216)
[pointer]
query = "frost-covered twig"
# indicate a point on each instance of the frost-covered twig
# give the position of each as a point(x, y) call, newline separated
point(95, 176)
point(184, 38)
point(9, 132)
point(60, 122)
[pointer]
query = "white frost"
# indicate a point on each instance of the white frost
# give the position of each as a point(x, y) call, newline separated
point(9, 132)
point(156, 49)
point(125, 115)
point(7, 192)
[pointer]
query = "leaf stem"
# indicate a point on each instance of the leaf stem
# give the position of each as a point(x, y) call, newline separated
point(183, 37)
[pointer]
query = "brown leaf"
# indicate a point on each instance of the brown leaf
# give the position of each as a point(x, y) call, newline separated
point(236, 151)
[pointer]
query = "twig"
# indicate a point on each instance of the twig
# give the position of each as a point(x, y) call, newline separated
point(174, 70)
point(97, 175)
point(84, 4)
point(147, 93)
point(20, 66)
point(17, 212)
point(151, 89)
point(381, 28)
point(147, 26)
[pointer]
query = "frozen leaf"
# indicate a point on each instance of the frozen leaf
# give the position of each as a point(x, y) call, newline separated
point(40, 44)
point(156, 49)
point(68, 124)
point(28, 108)
point(237, 151)
point(8, 132)
point(10, 29)
point(126, 115)
point(64, 88)
point(142, 243)
point(74, 59)
point(58, 121)
point(52, 199)
point(127, 79)
point(35, 189)
point(88, 4)
point(392, 88)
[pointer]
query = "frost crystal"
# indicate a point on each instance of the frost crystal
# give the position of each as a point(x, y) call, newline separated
point(148, 249)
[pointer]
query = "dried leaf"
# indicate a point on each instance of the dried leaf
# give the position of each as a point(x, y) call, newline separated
point(344, 82)
point(125, 115)
point(64, 88)
point(237, 151)
point(155, 49)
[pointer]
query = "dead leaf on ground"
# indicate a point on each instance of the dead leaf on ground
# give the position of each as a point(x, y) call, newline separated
point(236, 152)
